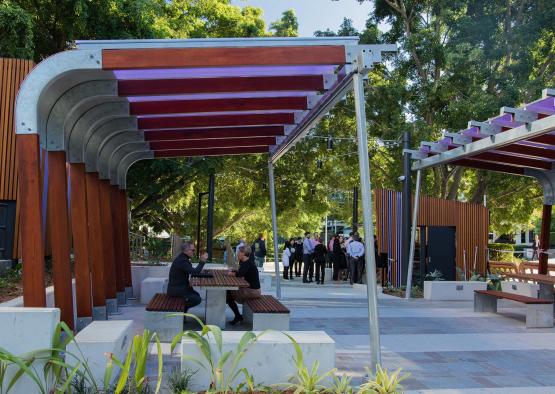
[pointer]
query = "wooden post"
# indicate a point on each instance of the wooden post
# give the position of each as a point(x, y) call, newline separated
point(96, 254)
point(80, 231)
point(544, 239)
point(59, 235)
point(32, 253)
point(125, 238)
point(107, 240)
point(118, 241)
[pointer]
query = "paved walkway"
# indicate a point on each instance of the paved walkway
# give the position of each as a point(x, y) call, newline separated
point(445, 346)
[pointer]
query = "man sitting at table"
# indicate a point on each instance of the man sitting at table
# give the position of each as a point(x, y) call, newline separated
point(178, 284)
point(248, 271)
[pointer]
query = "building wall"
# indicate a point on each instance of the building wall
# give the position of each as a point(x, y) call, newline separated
point(12, 73)
point(471, 222)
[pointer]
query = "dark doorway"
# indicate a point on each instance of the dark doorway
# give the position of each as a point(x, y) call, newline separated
point(442, 250)
point(7, 224)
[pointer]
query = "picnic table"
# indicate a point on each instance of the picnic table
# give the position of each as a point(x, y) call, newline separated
point(546, 283)
point(216, 288)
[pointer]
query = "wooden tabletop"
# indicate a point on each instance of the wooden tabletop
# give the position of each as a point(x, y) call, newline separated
point(221, 279)
point(533, 277)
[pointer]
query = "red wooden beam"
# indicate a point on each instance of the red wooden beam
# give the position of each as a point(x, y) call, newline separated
point(117, 239)
point(113, 59)
point(211, 152)
point(224, 132)
point(147, 87)
point(125, 237)
point(529, 151)
point(58, 223)
point(212, 143)
point(107, 240)
point(168, 122)
point(482, 165)
point(79, 229)
point(95, 239)
point(514, 160)
point(218, 105)
point(32, 254)
point(548, 139)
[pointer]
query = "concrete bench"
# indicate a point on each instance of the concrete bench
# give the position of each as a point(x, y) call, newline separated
point(152, 286)
point(270, 360)
point(521, 288)
point(539, 312)
point(158, 319)
point(23, 330)
point(265, 281)
point(266, 313)
point(97, 339)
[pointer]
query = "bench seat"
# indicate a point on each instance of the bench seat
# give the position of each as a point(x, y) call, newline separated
point(158, 316)
point(152, 286)
point(266, 312)
point(539, 312)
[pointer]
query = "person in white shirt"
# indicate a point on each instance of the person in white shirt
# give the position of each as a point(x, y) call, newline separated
point(241, 243)
point(286, 260)
point(356, 251)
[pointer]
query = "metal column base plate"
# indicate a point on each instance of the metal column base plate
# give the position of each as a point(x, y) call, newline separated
point(99, 313)
point(129, 293)
point(120, 297)
point(83, 322)
point(112, 306)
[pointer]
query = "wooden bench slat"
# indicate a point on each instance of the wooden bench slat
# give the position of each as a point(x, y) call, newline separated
point(266, 304)
point(164, 303)
point(514, 297)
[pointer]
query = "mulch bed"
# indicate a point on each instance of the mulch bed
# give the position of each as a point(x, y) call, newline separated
point(15, 289)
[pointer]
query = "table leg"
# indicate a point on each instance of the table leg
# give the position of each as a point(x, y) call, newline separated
point(215, 307)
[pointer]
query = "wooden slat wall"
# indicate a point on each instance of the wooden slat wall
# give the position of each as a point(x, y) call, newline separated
point(471, 222)
point(12, 73)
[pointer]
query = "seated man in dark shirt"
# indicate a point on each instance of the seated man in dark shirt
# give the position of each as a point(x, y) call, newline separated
point(248, 271)
point(178, 284)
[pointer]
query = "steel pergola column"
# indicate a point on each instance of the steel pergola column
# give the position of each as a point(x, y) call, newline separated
point(32, 254)
point(108, 254)
point(273, 207)
point(544, 239)
point(366, 191)
point(118, 245)
point(80, 231)
point(413, 235)
point(125, 244)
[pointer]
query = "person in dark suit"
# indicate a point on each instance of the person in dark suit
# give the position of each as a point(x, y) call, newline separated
point(249, 271)
point(181, 269)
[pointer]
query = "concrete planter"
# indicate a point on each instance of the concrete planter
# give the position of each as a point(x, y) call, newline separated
point(523, 289)
point(452, 290)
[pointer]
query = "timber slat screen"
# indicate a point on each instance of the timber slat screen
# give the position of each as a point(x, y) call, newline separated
point(12, 73)
point(471, 222)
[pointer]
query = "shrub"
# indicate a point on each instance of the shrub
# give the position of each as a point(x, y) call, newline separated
point(501, 252)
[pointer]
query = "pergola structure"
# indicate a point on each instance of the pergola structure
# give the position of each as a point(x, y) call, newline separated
point(102, 107)
point(520, 141)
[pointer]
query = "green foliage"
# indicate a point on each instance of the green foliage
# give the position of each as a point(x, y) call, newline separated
point(16, 26)
point(341, 385)
point(382, 382)
point(501, 252)
point(494, 282)
point(306, 380)
point(435, 275)
point(223, 367)
point(287, 26)
point(178, 381)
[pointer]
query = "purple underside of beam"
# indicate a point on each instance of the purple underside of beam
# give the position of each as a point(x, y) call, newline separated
point(537, 145)
point(204, 72)
point(270, 111)
point(209, 96)
point(425, 149)
point(543, 106)
point(472, 132)
point(506, 120)
point(446, 142)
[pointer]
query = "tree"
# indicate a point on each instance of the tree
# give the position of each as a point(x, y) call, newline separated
point(16, 26)
point(287, 26)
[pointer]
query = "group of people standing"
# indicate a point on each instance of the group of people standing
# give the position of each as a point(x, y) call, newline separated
point(309, 257)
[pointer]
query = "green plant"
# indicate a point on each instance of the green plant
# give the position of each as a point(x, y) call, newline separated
point(382, 382)
point(502, 252)
point(341, 385)
point(178, 381)
point(476, 276)
point(249, 386)
point(305, 380)
point(223, 367)
point(435, 275)
point(494, 282)
point(135, 362)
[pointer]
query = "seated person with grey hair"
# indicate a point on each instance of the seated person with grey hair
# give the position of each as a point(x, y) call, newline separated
point(181, 269)
point(248, 271)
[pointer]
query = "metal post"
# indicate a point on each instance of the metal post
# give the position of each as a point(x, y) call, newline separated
point(370, 256)
point(210, 216)
point(326, 232)
point(274, 226)
point(544, 239)
point(199, 220)
point(355, 209)
point(406, 233)
point(413, 236)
